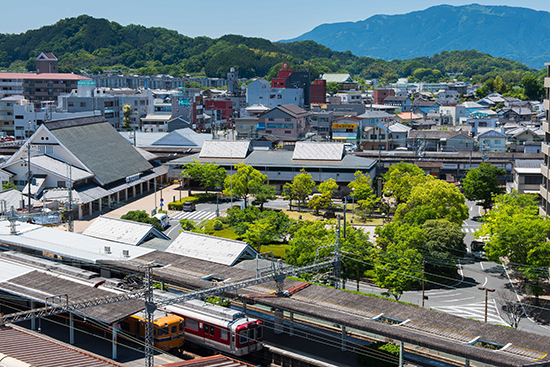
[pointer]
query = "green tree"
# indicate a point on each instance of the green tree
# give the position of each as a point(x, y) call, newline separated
point(300, 187)
point(333, 88)
point(263, 195)
point(442, 197)
point(481, 183)
point(327, 189)
point(444, 244)
point(240, 220)
point(126, 113)
point(246, 181)
point(401, 178)
point(520, 235)
point(210, 175)
point(533, 89)
point(270, 227)
point(187, 224)
point(363, 194)
point(397, 268)
point(143, 217)
point(8, 185)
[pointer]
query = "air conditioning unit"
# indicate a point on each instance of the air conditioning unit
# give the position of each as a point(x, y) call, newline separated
point(125, 253)
point(107, 249)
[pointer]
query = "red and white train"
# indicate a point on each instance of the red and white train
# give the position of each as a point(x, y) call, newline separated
point(221, 328)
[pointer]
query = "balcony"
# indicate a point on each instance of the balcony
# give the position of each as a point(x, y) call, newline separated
point(545, 127)
point(546, 82)
point(545, 149)
point(544, 170)
point(544, 193)
point(546, 105)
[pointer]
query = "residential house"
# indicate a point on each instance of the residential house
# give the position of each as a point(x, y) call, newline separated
point(350, 97)
point(491, 140)
point(403, 103)
point(346, 128)
point(523, 138)
point(447, 97)
point(321, 122)
point(380, 94)
point(288, 122)
point(455, 112)
point(398, 135)
point(527, 176)
point(407, 117)
point(440, 141)
point(520, 114)
point(439, 118)
point(492, 100)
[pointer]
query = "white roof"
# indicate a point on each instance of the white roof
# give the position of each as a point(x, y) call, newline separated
point(59, 168)
point(66, 244)
point(225, 149)
point(13, 197)
point(215, 249)
point(12, 270)
point(122, 231)
point(318, 151)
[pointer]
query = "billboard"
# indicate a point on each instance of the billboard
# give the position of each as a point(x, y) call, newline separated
point(184, 102)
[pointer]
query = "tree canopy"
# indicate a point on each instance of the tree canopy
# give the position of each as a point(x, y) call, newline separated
point(210, 175)
point(401, 178)
point(301, 186)
point(481, 183)
point(246, 181)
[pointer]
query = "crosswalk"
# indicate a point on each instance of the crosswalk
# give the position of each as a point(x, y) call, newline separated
point(475, 311)
point(469, 229)
point(195, 216)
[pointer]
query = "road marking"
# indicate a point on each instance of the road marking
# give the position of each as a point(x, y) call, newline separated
point(446, 295)
point(481, 264)
point(458, 299)
point(485, 282)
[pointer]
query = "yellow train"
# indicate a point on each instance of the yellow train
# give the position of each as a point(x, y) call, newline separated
point(168, 329)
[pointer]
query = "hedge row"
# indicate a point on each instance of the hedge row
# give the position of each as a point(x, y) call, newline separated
point(197, 198)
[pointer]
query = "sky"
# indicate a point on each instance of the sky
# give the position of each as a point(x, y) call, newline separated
point(274, 20)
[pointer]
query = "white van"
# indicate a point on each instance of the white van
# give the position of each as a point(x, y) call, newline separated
point(163, 219)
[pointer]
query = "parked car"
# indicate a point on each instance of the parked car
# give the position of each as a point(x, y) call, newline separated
point(189, 206)
point(348, 198)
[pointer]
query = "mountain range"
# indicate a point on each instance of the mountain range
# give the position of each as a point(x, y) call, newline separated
point(515, 33)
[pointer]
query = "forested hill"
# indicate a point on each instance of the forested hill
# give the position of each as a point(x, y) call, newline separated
point(516, 33)
point(86, 43)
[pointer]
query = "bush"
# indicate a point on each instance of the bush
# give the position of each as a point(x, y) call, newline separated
point(369, 355)
point(187, 225)
point(218, 225)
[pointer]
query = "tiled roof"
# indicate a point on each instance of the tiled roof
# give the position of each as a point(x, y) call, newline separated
point(99, 147)
point(225, 149)
point(43, 76)
point(122, 231)
point(318, 151)
point(337, 78)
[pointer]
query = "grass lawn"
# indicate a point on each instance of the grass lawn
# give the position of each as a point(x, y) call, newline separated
point(305, 215)
point(278, 250)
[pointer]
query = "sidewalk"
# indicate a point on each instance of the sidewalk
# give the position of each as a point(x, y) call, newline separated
point(146, 203)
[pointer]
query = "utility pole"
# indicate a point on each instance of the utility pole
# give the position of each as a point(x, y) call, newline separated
point(345, 210)
point(487, 290)
point(29, 179)
point(337, 259)
point(150, 308)
point(70, 223)
point(423, 271)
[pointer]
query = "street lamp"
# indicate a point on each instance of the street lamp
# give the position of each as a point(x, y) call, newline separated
point(486, 298)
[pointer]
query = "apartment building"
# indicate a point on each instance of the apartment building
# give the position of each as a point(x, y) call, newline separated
point(544, 187)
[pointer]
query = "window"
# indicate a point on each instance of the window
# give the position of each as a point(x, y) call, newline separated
point(268, 131)
point(288, 132)
point(533, 180)
point(191, 324)
point(82, 104)
point(287, 119)
point(174, 329)
point(272, 96)
point(70, 104)
point(163, 331)
point(223, 334)
point(243, 337)
point(373, 136)
point(60, 183)
point(19, 117)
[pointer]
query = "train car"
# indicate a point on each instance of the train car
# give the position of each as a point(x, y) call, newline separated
point(221, 328)
point(168, 330)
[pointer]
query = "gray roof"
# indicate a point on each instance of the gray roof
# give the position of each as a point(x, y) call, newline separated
point(282, 158)
point(318, 151)
point(211, 248)
point(99, 147)
point(293, 110)
point(337, 78)
point(490, 133)
point(436, 134)
point(175, 139)
point(68, 245)
point(528, 163)
point(13, 197)
point(59, 168)
point(91, 192)
point(37, 285)
point(225, 149)
point(399, 128)
point(375, 114)
point(122, 231)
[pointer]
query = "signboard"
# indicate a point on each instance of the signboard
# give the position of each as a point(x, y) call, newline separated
point(184, 102)
point(132, 178)
point(344, 126)
point(86, 82)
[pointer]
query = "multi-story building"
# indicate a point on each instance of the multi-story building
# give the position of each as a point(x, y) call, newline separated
point(379, 95)
point(111, 80)
point(287, 122)
point(6, 113)
point(110, 105)
point(188, 104)
point(45, 85)
point(318, 91)
point(260, 92)
point(544, 187)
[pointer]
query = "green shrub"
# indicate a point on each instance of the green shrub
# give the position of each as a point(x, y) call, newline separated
point(369, 355)
point(218, 225)
point(187, 225)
